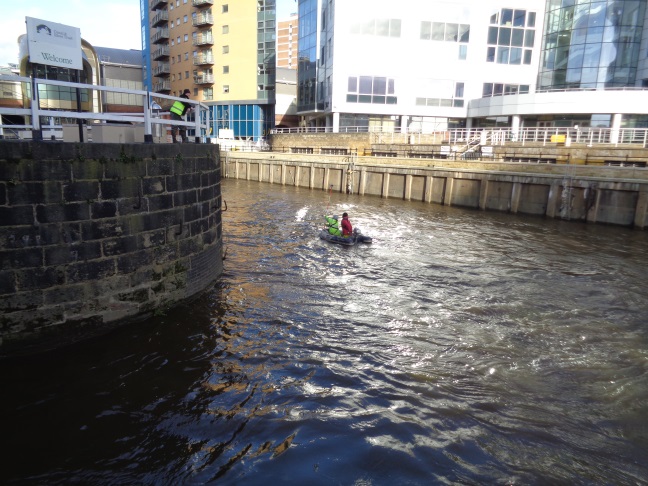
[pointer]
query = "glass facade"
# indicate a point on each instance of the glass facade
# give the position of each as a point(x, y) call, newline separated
point(307, 71)
point(249, 122)
point(266, 49)
point(591, 44)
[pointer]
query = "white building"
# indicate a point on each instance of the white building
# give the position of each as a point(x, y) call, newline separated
point(429, 65)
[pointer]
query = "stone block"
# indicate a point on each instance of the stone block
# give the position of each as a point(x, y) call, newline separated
point(81, 191)
point(34, 193)
point(90, 270)
point(162, 167)
point(86, 169)
point(180, 182)
point(119, 246)
point(185, 198)
point(21, 258)
point(161, 202)
point(7, 282)
point(59, 255)
point(39, 278)
point(153, 185)
point(104, 209)
point(109, 228)
point(131, 262)
point(57, 213)
point(40, 170)
point(118, 189)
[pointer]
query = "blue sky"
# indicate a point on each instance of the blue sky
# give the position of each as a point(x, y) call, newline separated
point(115, 23)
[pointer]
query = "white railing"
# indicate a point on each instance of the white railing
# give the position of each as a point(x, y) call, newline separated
point(567, 136)
point(499, 136)
point(149, 116)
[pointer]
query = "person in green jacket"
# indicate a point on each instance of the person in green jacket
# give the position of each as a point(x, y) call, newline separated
point(332, 225)
point(178, 109)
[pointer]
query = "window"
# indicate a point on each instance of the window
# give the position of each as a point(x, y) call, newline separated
point(499, 89)
point(225, 9)
point(186, 74)
point(463, 52)
point(179, 57)
point(225, 29)
point(178, 21)
point(226, 88)
point(511, 37)
point(371, 89)
point(225, 69)
point(185, 19)
point(186, 56)
point(225, 49)
point(379, 27)
point(208, 94)
point(439, 31)
point(454, 99)
point(178, 40)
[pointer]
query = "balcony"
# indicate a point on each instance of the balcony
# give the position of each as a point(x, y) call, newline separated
point(162, 35)
point(157, 4)
point(160, 18)
point(202, 3)
point(204, 79)
point(161, 53)
point(203, 40)
point(162, 86)
point(202, 20)
point(203, 59)
point(163, 69)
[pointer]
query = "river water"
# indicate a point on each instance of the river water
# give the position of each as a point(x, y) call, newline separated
point(460, 347)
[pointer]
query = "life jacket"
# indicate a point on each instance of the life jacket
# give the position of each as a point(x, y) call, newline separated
point(332, 225)
point(178, 108)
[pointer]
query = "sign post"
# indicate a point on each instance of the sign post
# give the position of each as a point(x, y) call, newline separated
point(51, 44)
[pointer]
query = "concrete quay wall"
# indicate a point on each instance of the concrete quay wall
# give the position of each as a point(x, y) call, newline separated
point(594, 194)
point(97, 235)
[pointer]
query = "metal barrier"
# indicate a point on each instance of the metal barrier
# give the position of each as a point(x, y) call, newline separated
point(149, 116)
point(470, 137)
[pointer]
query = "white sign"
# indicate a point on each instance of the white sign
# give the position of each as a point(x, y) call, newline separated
point(53, 44)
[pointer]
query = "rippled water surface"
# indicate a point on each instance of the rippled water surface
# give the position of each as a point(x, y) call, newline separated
point(461, 347)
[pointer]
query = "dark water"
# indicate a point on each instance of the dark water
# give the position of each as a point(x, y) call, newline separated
point(461, 347)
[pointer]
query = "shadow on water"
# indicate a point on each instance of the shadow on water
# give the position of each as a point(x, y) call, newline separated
point(460, 347)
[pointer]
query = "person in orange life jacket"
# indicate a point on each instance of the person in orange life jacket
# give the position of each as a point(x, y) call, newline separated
point(347, 229)
point(178, 109)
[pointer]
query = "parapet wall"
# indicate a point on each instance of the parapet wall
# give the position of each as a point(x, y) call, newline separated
point(594, 194)
point(94, 235)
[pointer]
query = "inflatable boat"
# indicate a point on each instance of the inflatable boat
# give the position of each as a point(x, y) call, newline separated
point(357, 237)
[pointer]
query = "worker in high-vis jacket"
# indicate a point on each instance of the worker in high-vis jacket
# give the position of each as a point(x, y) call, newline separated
point(332, 225)
point(178, 110)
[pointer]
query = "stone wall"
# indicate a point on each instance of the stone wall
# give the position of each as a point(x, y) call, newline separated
point(595, 194)
point(436, 146)
point(95, 235)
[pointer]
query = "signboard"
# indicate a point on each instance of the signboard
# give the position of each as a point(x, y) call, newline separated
point(53, 44)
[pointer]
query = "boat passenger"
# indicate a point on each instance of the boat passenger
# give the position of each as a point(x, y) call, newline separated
point(332, 225)
point(347, 229)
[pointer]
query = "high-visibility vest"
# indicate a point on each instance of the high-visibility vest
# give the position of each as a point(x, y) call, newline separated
point(178, 108)
point(333, 226)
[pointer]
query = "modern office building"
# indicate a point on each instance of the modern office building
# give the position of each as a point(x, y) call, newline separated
point(429, 65)
point(287, 35)
point(102, 66)
point(224, 51)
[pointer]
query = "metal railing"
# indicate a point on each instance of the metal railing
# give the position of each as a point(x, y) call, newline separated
point(34, 115)
point(499, 136)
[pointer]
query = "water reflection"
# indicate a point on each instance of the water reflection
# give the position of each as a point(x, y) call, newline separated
point(460, 347)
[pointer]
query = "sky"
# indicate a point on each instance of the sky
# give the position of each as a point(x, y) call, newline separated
point(111, 23)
